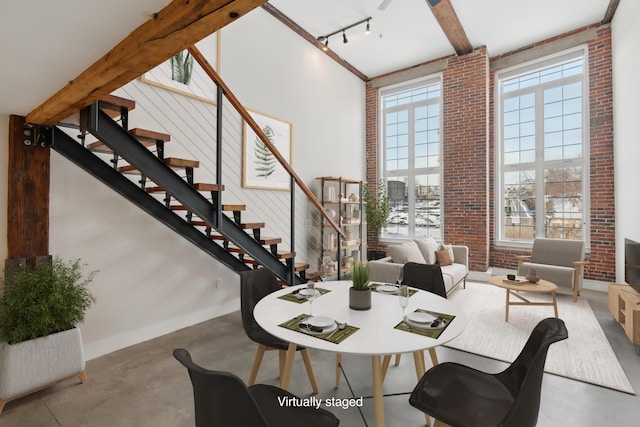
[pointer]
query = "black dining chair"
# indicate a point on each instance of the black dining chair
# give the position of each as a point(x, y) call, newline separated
point(221, 400)
point(255, 285)
point(461, 396)
point(427, 277)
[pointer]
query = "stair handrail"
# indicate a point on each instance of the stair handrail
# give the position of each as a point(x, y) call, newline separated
point(215, 77)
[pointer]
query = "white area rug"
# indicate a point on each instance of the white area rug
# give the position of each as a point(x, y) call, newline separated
point(585, 356)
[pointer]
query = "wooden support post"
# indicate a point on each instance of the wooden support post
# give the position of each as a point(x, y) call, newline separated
point(28, 195)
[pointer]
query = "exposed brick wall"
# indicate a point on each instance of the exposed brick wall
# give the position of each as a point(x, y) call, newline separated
point(602, 218)
point(371, 137)
point(469, 155)
point(465, 154)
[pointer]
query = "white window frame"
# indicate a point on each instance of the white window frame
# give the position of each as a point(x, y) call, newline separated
point(402, 87)
point(523, 69)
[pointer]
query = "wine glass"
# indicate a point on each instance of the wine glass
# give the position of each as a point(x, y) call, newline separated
point(399, 279)
point(324, 272)
point(311, 295)
point(403, 297)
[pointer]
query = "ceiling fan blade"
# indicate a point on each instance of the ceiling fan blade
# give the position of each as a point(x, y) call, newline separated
point(384, 4)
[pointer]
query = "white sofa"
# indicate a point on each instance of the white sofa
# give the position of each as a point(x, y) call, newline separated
point(423, 251)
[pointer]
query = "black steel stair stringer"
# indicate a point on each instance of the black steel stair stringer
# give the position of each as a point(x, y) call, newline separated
point(126, 146)
point(69, 148)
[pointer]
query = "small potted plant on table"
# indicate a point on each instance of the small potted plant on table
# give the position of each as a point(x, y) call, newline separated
point(360, 293)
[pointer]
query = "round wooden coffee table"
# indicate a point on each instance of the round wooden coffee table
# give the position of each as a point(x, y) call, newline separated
point(512, 288)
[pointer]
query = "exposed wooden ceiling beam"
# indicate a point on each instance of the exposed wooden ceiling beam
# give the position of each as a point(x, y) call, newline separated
point(176, 27)
point(611, 10)
point(308, 37)
point(450, 24)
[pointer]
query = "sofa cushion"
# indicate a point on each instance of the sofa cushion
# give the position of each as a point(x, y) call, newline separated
point(560, 275)
point(406, 252)
point(444, 257)
point(428, 247)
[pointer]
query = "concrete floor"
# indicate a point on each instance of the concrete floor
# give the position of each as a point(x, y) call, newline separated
point(144, 386)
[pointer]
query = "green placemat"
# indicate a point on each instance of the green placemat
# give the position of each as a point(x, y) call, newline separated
point(374, 287)
point(335, 337)
point(295, 297)
point(431, 333)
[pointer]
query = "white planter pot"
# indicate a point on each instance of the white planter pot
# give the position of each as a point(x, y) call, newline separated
point(32, 365)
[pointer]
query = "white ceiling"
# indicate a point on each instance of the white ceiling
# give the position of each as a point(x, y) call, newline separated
point(47, 43)
point(406, 32)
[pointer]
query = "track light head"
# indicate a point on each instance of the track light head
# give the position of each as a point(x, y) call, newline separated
point(326, 45)
point(368, 29)
point(344, 38)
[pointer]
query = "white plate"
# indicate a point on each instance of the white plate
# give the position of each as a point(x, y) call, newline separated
point(306, 292)
point(388, 289)
point(425, 325)
point(326, 330)
point(420, 317)
point(321, 321)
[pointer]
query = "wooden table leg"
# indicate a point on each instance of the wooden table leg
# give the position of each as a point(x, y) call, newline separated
point(555, 305)
point(506, 307)
point(288, 366)
point(378, 398)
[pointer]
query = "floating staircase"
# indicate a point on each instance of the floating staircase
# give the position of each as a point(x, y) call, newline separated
point(165, 187)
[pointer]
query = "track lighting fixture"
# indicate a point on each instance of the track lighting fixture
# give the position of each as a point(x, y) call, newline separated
point(325, 39)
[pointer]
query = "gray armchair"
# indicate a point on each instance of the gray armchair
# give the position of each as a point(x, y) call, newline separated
point(556, 260)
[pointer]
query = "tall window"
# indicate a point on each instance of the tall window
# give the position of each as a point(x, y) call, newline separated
point(411, 158)
point(542, 156)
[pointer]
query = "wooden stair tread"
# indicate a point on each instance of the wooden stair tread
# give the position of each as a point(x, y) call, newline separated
point(251, 225)
point(99, 146)
point(149, 137)
point(110, 104)
point(206, 187)
point(282, 255)
point(175, 162)
point(225, 207)
point(270, 240)
point(198, 187)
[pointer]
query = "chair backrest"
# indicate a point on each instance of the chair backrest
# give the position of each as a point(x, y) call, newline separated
point(254, 285)
point(557, 251)
point(524, 376)
point(427, 277)
point(221, 398)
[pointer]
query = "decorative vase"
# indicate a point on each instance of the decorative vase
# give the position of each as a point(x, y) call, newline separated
point(359, 300)
point(532, 277)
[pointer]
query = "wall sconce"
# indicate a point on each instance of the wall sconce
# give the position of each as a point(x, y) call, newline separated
point(325, 38)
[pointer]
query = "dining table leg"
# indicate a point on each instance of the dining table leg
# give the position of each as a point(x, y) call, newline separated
point(288, 366)
point(378, 398)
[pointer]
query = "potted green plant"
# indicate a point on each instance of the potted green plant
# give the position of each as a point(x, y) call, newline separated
point(40, 343)
point(360, 293)
point(377, 209)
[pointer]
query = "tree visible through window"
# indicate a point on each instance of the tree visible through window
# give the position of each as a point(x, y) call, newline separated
point(543, 146)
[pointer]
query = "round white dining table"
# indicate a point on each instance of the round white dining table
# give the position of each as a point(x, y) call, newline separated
point(376, 336)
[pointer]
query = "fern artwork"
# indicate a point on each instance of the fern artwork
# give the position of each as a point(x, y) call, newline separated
point(265, 162)
point(182, 67)
point(260, 166)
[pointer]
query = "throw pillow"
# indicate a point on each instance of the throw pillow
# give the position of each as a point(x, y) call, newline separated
point(405, 252)
point(428, 247)
point(450, 249)
point(443, 257)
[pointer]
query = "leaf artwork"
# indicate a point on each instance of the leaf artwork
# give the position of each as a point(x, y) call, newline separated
point(182, 67)
point(265, 160)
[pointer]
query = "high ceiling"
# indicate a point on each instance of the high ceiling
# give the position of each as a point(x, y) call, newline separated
point(47, 43)
point(406, 32)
